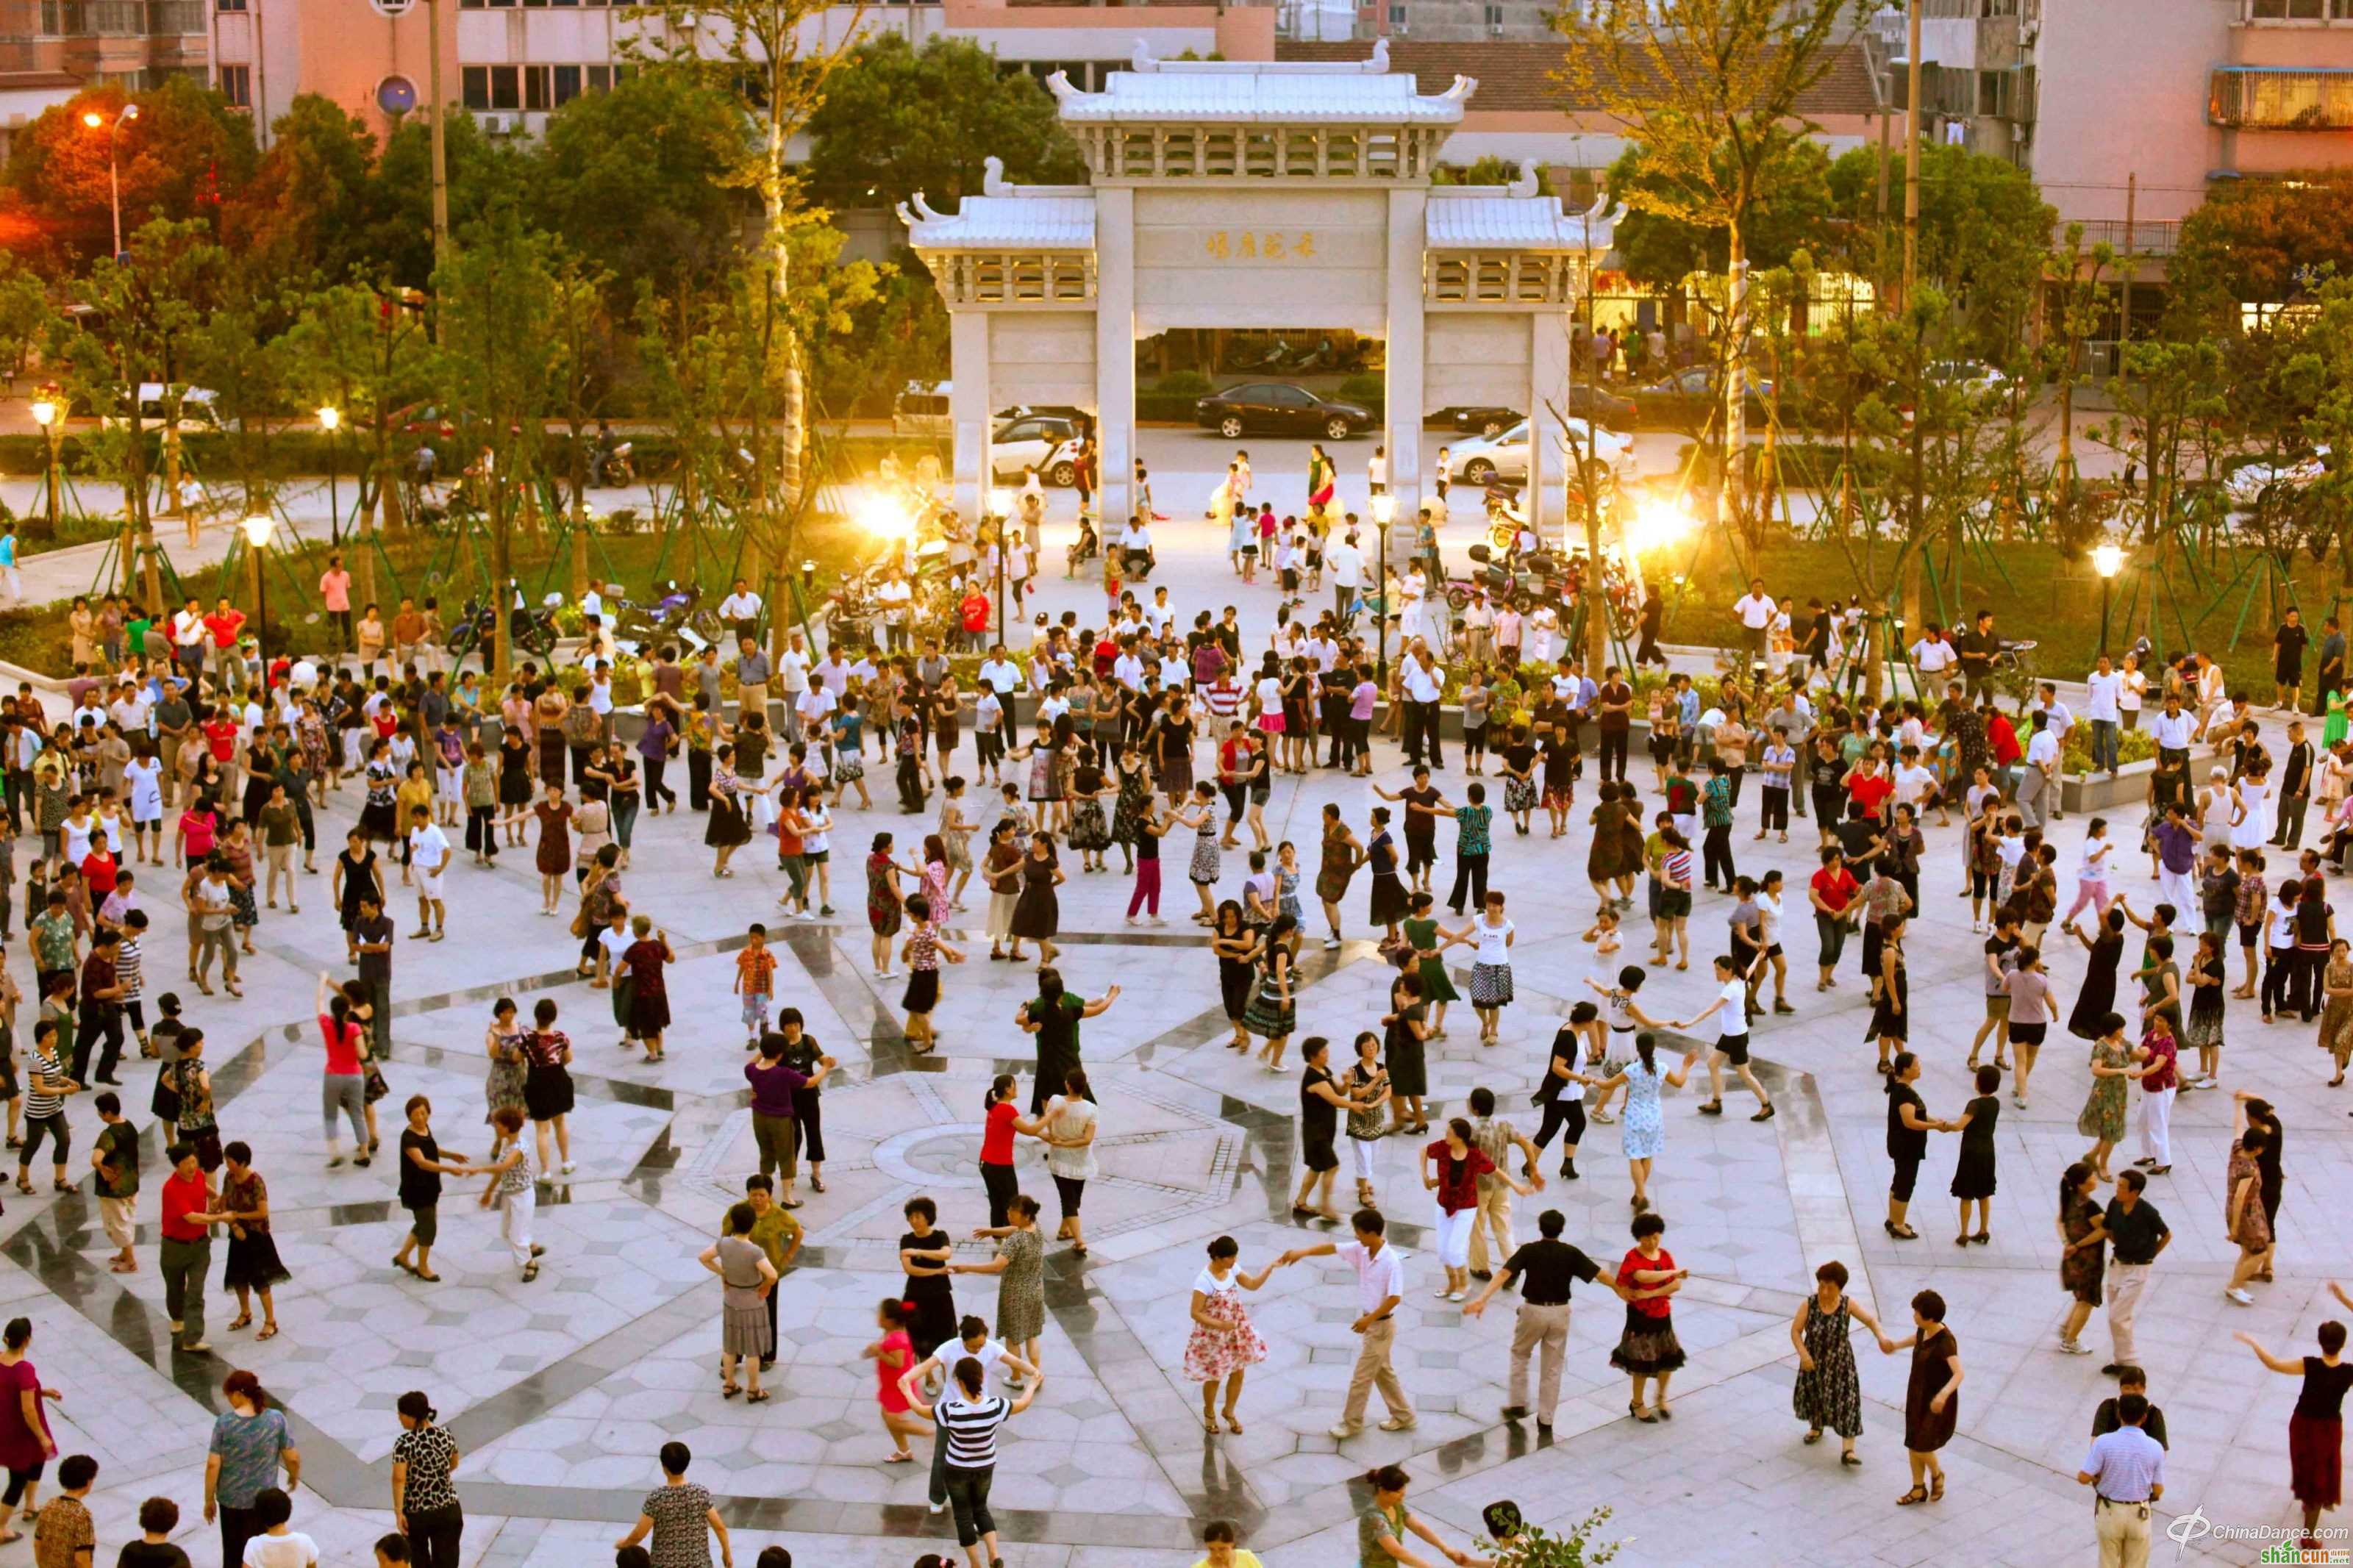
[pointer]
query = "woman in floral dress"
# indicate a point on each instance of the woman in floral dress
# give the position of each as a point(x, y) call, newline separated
point(1828, 1392)
point(1020, 1261)
point(2082, 1250)
point(503, 1087)
point(1223, 1345)
point(2103, 1119)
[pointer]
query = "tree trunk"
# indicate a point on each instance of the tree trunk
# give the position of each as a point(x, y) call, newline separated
point(501, 594)
point(1874, 647)
point(1736, 384)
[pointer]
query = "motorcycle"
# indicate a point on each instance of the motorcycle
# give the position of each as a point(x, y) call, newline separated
point(1536, 577)
point(679, 613)
point(533, 631)
point(612, 466)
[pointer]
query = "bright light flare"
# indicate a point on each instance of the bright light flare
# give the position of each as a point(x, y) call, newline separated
point(881, 516)
point(2107, 560)
point(1657, 524)
point(257, 529)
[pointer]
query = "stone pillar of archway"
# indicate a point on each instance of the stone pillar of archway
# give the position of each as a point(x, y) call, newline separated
point(1402, 409)
point(969, 372)
point(1548, 462)
point(1115, 353)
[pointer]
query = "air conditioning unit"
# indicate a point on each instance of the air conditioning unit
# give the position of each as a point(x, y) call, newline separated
point(500, 124)
point(1497, 28)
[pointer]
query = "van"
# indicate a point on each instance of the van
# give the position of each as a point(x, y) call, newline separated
point(922, 409)
point(195, 409)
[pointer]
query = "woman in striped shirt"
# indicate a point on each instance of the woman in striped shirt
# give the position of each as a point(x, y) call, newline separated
point(971, 1421)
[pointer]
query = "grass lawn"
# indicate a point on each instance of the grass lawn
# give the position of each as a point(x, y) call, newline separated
point(2033, 592)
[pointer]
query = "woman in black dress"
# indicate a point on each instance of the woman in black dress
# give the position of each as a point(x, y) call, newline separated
point(1405, 1031)
point(1389, 904)
point(355, 877)
point(2252, 1111)
point(515, 790)
point(1235, 945)
point(1891, 993)
point(2098, 999)
point(1932, 1400)
point(1973, 1176)
point(547, 1084)
point(1038, 913)
point(253, 1264)
point(923, 1252)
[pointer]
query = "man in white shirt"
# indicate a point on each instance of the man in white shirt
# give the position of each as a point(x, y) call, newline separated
point(428, 856)
point(2063, 725)
point(1932, 655)
point(894, 597)
point(1755, 609)
point(2104, 708)
point(793, 670)
point(1380, 1286)
point(1345, 564)
point(1002, 676)
point(1160, 612)
point(1423, 680)
point(833, 671)
point(1128, 668)
point(812, 710)
point(1376, 471)
point(2173, 729)
point(2038, 788)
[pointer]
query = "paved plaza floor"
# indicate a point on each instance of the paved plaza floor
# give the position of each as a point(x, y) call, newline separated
point(560, 1391)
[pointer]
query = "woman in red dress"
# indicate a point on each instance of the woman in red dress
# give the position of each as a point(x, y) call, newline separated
point(2315, 1432)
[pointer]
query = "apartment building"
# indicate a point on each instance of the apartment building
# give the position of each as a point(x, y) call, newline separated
point(2148, 108)
point(513, 62)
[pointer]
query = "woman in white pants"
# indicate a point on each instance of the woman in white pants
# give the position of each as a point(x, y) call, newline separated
point(1450, 1169)
point(514, 1188)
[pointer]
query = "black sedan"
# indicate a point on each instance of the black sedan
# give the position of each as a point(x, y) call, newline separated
point(1274, 408)
point(1691, 397)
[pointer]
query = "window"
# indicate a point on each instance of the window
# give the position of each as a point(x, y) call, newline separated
point(236, 86)
point(567, 84)
point(600, 79)
point(1494, 19)
point(474, 86)
point(535, 93)
point(1396, 16)
point(228, 4)
point(506, 87)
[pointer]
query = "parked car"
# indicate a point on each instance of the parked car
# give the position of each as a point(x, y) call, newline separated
point(196, 413)
point(1585, 402)
point(922, 409)
point(1483, 459)
point(1276, 408)
point(1973, 377)
point(1690, 395)
point(1046, 443)
point(2251, 482)
point(1070, 411)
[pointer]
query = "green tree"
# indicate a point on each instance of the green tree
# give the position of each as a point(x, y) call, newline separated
point(898, 119)
point(639, 178)
point(1985, 234)
point(2268, 241)
point(398, 239)
point(1487, 169)
point(311, 200)
point(1711, 89)
point(26, 313)
point(1660, 248)
point(183, 155)
point(500, 369)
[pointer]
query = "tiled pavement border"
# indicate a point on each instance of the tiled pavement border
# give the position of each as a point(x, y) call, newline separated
point(51, 1248)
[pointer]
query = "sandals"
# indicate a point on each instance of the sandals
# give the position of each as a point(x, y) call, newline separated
point(1936, 1488)
point(531, 1271)
point(1233, 1423)
point(1209, 1425)
point(242, 1321)
point(728, 1390)
point(757, 1397)
point(268, 1331)
point(1916, 1495)
point(1851, 1458)
point(429, 1279)
point(1813, 1436)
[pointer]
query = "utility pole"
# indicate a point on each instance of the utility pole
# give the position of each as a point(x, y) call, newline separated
point(2123, 299)
point(1886, 122)
point(440, 147)
point(1912, 150)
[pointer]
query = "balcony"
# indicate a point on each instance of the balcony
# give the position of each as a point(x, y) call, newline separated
point(121, 18)
point(2147, 238)
point(2276, 98)
point(2293, 13)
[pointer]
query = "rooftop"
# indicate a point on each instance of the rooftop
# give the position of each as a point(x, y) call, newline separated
point(1003, 223)
point(1520, 77)
point(1357, 89)
point(1494, 221)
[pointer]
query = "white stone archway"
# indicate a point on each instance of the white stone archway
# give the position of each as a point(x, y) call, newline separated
point(1260, 195)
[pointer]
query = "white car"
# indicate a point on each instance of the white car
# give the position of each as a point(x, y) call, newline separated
point(1040, 441)
point(195, 408)
point(2248, 484)
point(1484, 458)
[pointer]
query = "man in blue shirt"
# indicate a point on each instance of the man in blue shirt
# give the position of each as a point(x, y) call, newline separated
point(2126, 1471)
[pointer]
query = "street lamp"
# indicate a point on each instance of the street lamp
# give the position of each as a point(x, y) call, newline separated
point(1383, 512)
point(1000, 507)
point(45, 415)
point(113, 128)
point(331, 419)
point(257, 529)
point(2107, 560)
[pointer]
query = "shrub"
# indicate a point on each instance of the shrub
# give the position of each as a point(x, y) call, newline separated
point(1183, 384)
point(1365, 387)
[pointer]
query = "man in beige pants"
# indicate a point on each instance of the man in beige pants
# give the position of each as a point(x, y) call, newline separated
point(1546, 1266)
point(1495, 1140)
point(1380, 1286)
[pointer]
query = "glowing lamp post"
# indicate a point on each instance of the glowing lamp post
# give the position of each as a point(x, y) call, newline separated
point(2107, 560)
point(257, 529)
point(331, 419)
point(45, 415)
point(113, 129)
point(1384, 513)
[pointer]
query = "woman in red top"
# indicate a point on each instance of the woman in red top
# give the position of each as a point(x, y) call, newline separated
point(345, 1087)
point(892, 1354)
point(649, 993)
point(1450, 1169)
point(1001, 1121)
point(1648, 1279)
